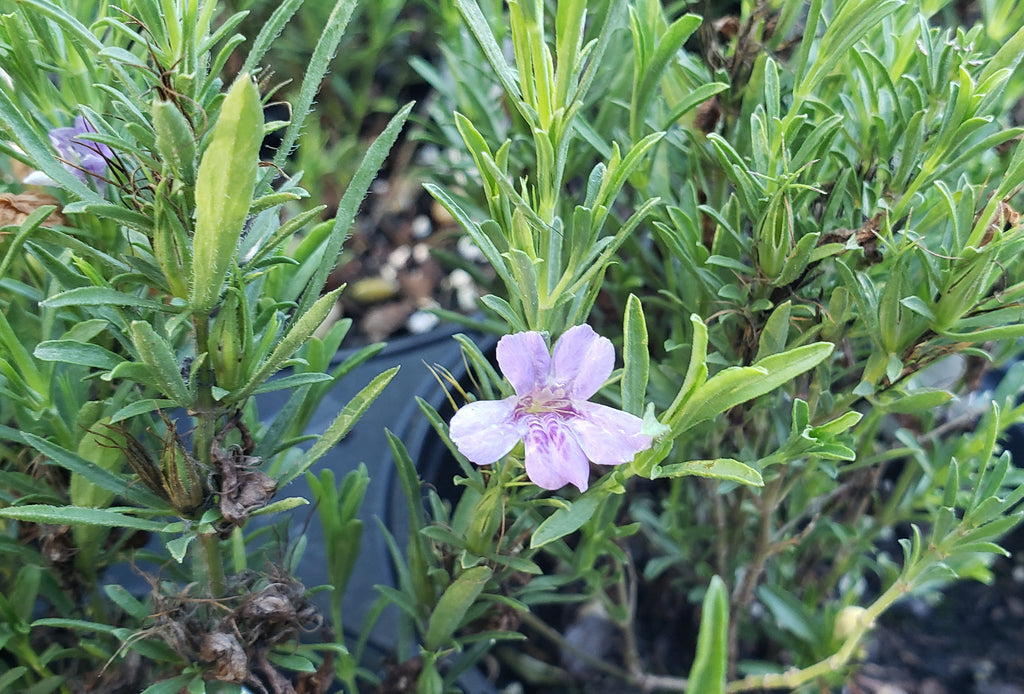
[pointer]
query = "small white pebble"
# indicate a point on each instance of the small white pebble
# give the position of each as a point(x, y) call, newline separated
point(421, 253)
point(466, 298)
point(421, 322)
point(399, 257)
point(460, 278)
point(469, 250)
point(421, 226)
point(389, 273)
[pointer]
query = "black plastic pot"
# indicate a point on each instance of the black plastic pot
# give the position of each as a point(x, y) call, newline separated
point(396, 410)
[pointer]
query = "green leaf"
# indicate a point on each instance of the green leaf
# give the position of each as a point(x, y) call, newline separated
point(719, 468)
point(920, 401)
point(223, 192)
point(654, 68)
point(565, 520)
point(294, 663)
point(162, 368)
point(789, 613)
point(175, 141)
point(119, 484)
point(301, 330)
point(174, 685)
point(316, 69)
point(708, 673)
point(10, 677)
point(77, 515)
point(736, 385)
point(292, 381)
point(101, 296)
point(268, 33)
point(126, 601)
point(452, 606)
point(636, 357)
point(178, 547)
point(775, 335)
point(75, 352)
point(350, 202)
point(341, 425)
point(477, 24)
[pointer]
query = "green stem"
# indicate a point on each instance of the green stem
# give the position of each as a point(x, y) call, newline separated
point(794, 678)
point(210, 568)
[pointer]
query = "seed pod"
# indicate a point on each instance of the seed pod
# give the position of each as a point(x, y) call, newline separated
point(774, 234)
point(180, 474)
point(226, 345)
point(139, 459)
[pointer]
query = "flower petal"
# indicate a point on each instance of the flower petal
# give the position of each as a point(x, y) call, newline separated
point(553, 457)
point(483, 431)
point(582, 361)
point(524, 359)
point(608, 436)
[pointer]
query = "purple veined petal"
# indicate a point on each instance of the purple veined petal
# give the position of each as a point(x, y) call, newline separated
point(81, 154)
point(524, 360)
point(582, 361)
point(606, 435)
point(553, 456)
point(484, 431)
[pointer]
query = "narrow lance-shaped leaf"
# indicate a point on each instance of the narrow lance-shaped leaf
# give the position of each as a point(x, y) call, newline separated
point(350, 202)
point(566, 520)
point(224, 187)
point(636, 357)
point(708, 673)
point(300, 332)
point(351, 413)
point(454, 603)
point(76, 515)
point(739, 384)
point(164, 371)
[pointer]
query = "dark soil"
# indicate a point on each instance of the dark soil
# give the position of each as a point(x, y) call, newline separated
point(970, 642)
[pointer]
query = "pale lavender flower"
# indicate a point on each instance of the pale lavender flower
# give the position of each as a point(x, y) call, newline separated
point(550, 412)
point(82, 157)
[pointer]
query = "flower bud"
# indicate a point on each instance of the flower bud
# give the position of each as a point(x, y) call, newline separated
point(773, 238)
point(849, 619)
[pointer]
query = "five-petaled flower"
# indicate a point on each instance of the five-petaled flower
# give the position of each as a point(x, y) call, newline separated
point(81, 156)
point(549, 411)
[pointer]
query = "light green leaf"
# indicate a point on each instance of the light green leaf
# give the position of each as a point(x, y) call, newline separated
point(736, 385)
point(636, 357)
point(162, 366)
point(708, 673)
point(719, 468)
point(223, 192)
point(565, 520)
point(75, 352)
point(342, 424)
point(453, 605)
point(77, 515)
point(102, 296)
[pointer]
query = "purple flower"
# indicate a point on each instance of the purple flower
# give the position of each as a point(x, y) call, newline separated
point(81, 156)
point(550, 412)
